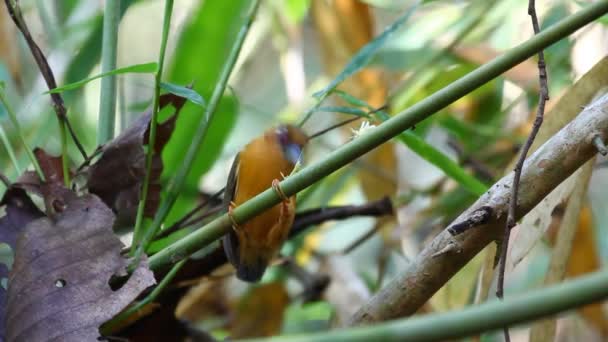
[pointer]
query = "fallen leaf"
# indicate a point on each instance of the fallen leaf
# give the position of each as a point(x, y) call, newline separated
point(260, 312)
point(51, 166)
point(59, 287)
point(20, 210)
point(206, 300)
point(117, 177)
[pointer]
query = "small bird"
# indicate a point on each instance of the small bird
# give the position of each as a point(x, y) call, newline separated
point(251, 246)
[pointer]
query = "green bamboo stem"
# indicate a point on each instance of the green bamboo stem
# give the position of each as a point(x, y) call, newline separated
point(473, 320)
point(176, 184)
point(9, 150)
point(381, 134)
point(13, 116)
point(138, 230)
point(107, 96)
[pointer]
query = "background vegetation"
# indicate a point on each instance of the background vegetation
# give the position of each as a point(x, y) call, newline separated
point(374, 52)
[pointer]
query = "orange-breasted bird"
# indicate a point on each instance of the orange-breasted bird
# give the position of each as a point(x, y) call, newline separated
point(250, 246)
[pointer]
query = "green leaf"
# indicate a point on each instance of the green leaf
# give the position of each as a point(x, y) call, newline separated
point(351, 100)
point(199, 56)
point(344, 110)
point(89, 53)
point(309, 317)
point(427, 151)
point(146, 68)
point(295, 10)
point(365, 54)
point(443, 162)
point(184, 92)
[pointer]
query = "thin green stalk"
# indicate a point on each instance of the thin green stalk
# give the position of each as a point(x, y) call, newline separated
point(9, 150)
point(64, 153)
point(138, 230)
point(109, 326)
point(107, 96)
point(178, 180)
point(379, 135)
point(13, 116)
point(473, 320)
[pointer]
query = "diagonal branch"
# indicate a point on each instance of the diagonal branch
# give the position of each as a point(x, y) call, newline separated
point(551, 164)
point(379, 135)
point(45, 69)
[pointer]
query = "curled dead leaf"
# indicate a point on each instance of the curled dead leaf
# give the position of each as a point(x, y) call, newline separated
point(118, 175)
point(59, 284)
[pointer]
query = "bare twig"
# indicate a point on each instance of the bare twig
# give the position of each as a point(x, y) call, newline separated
point(311, 217)
point(47, 73)
point(478, 167)
point(87, 161)
point(303, 221)
point(5, 180)
point(543, 97)
point(188, 219)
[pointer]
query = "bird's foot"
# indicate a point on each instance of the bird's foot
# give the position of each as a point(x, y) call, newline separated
point(235, 225)
point(276, 186)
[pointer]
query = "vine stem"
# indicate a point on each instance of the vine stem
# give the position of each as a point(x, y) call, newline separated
point(538, 121)
point(138, 230)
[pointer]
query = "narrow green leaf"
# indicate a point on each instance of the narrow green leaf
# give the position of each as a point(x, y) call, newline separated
point(343, 110)
point(426, 151)
point(184, 92)
point(443, 162)
point(365, 54)
point(146, 68)
point(351, 100)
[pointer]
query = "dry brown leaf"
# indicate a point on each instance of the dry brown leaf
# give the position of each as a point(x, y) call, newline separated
point(584, 259)
point(345, 26)
point(8, 41)
point(207, 299)
point(117, 177)
point(260, 312)
point(59, 285)
point(51, 166)
point(525, 74)
point(561, 253)
point(20, 211)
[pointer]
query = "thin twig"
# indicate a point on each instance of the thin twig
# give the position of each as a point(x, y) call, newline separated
point(188, 219)
point(90, 158)
point(543, 97)
point(311, 217)
point(45, 69)
point(138, 230)
point(303, 221)
point(5, 180)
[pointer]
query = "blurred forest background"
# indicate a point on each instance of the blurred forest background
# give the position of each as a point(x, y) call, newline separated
point(295, 48)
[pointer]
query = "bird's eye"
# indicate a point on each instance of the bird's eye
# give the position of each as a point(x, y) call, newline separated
point(282, 135)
